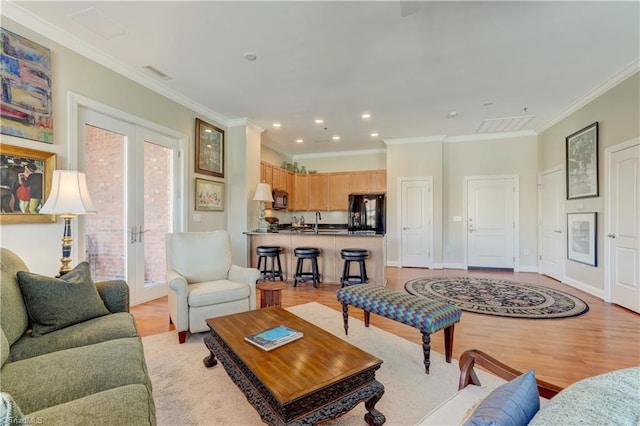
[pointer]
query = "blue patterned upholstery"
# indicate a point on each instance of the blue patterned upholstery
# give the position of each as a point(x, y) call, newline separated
point(426, 315)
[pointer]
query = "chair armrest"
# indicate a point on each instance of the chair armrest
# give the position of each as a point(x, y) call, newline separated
point(472, 357)
point(240, 274)
point(115, 295)
point(177, 282)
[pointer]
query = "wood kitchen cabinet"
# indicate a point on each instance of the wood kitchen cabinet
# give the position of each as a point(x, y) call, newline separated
point(339, 189)
point(319, 191)
point(377, 181)
point(301, 191)
point(358, 182)
point(289, 177)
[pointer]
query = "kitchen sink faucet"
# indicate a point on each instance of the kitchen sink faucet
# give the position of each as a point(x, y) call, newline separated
point(318, 217)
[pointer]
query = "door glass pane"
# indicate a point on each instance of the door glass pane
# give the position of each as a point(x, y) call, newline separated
point(158, 210)
point(104, 238)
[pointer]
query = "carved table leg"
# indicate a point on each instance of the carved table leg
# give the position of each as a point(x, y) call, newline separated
point(374, 417)
point(209, 361)
point(426, 348)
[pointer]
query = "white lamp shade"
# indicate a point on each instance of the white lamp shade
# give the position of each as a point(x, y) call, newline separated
point(69, 194)
point(263, 193)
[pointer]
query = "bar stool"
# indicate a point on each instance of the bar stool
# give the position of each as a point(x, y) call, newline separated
point(354, 255)
point(270, 252)
point(312, 254)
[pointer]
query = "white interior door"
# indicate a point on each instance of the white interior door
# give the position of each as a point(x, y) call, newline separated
point(131, 173)
point(491, 222)
point(416, 223)
point(623, 230)
point(551, 223)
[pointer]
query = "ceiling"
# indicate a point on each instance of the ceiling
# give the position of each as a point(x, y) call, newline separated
point(421, 69)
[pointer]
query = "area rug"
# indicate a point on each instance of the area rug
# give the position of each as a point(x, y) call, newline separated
point(187, 393)
point(499, 297)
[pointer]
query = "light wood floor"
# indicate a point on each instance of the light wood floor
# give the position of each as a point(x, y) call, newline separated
point(561, 351)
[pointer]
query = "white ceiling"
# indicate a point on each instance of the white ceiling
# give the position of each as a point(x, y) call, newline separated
point(336, 60)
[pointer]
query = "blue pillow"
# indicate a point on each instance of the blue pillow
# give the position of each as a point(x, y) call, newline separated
point(512, 404)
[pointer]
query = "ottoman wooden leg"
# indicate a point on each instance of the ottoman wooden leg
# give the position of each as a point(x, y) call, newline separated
point(448, 343)
point(345, 317)
point(426, 348)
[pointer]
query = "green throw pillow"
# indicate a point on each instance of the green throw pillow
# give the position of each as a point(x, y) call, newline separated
point(55, 303)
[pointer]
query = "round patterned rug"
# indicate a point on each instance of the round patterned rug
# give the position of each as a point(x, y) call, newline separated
point(499, 297)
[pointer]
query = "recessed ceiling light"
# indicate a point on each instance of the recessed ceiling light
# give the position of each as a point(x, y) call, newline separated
point(319, 121)
point(299, 140)
point(366, 115)
point(336, 138)
point(250, 56)
point(276, 125)
point(452, 114)
point(374, 134)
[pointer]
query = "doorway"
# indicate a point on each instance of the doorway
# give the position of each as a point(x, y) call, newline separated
point(622, 245)
point(416, 236)
point(491, 221)
point(133, 177)
point(551, 223)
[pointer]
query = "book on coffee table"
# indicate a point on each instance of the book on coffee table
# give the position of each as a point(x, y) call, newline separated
point(273, 337)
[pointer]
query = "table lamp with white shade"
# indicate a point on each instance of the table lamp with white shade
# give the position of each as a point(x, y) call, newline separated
point(69, 197)
point(263, 194)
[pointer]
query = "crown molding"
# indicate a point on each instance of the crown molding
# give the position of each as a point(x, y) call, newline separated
point(618, 78)
point(36, 24)
point(245, 121)
point(340, 154)
point(417, 139)
point(490, 136)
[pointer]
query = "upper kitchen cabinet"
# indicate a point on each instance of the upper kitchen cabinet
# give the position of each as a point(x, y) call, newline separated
point(319, 191)
point(291, 186)
point(301, 191)
point(368, 181)
point(339, 189)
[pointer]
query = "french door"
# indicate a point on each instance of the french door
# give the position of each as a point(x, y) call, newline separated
point(132, 177)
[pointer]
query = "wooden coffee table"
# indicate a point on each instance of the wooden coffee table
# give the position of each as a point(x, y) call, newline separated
point(312, 379)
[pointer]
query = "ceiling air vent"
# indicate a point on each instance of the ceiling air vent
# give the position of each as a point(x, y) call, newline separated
point(505, 124)
point(157, 72)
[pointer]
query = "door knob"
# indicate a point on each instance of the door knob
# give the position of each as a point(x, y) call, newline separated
point(558, 231)
point(611, 235)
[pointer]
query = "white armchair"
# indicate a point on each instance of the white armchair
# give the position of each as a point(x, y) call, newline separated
point(202, 281)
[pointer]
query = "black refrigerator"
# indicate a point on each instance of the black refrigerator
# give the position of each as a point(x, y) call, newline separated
point(367, 214)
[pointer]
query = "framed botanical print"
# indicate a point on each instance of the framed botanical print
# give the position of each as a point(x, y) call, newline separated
point(209, 195)
point(581, 238)
point(25, 182)
point(582, 163)
point(209, 149)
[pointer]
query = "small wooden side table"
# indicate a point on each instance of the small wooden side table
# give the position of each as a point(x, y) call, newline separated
point(271, 293)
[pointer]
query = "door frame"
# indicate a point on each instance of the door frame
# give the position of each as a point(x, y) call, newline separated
point(77, 101)
point(516, 214)
point(429, 180)
point(607, 213)
point(563, 223)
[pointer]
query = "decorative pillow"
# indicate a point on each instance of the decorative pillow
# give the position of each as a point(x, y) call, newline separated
point(55, 303)
point(512, 404)
point(10, 413)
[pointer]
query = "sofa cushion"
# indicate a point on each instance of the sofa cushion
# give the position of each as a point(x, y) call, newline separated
point(214, 292)
point(96, 330)
point(607, 399)
point(512, 404)
point(59, 377)
point(13, 312)
point(55, 303)
point(4, 348)
point(457, 407)
point(104, 408)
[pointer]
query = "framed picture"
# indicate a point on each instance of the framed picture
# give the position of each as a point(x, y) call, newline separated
point(581, 238)
point(26, 89)
point(25, 182)
point(582, 163)
point(209, 149)
point(209, 195)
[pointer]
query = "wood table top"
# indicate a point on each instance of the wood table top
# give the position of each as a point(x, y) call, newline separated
point(303, 366)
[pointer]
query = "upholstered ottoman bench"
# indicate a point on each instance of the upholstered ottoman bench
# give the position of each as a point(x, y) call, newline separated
point(426, 315)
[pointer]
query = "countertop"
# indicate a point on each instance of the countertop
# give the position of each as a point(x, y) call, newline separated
point(321, 232)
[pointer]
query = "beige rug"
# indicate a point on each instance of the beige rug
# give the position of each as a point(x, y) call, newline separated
point(187, 393)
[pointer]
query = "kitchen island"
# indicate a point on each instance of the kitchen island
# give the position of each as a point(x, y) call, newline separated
point(330, 241)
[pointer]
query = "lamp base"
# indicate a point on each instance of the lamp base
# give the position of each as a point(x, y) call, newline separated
point(67, 243)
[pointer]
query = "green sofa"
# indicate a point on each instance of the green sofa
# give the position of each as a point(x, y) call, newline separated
point(91, 372)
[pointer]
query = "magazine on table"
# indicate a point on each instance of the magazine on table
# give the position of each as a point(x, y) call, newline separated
point(273, 337)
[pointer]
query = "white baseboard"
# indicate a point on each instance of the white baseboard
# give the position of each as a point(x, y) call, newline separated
point(453, 266)
point(436, 266)
point(392, 263)
point(528, 269)
point(584, 287)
